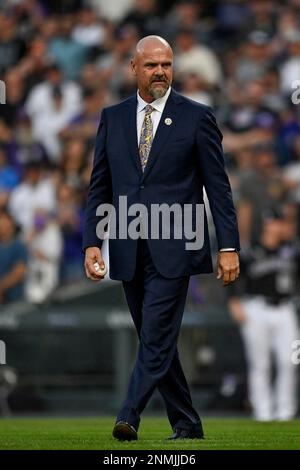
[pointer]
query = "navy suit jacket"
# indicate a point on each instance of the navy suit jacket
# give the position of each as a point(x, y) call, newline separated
point(185, 157)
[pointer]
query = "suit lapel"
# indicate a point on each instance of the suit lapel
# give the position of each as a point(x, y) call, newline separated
point(130, 126)
point(163, 132)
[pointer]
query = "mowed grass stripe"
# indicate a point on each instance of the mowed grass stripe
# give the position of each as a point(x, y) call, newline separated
point(95, 434)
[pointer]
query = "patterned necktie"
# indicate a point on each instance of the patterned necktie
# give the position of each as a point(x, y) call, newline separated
point(146, 136)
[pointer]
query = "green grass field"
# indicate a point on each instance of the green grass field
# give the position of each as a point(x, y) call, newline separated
point(95, 433)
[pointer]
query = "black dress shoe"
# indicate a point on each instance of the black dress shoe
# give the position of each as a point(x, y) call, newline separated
point(186, 434)
point(124, 432)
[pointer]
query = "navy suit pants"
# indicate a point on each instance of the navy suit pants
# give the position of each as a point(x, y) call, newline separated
point(156, 305)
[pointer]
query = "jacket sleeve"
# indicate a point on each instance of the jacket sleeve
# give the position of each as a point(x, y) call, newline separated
point(100, 189)
point(210, 159)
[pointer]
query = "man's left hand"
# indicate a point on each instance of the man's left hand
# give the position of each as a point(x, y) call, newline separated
point(228, 266)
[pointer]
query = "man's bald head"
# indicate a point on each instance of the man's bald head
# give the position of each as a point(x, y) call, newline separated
point(150, 44)
point(152, 64)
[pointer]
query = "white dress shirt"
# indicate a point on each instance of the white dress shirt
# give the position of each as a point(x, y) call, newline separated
point(158, 106)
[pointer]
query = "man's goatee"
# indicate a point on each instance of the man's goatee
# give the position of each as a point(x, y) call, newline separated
point(158, 93)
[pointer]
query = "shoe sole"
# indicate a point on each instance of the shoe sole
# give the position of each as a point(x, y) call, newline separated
point(123, 432)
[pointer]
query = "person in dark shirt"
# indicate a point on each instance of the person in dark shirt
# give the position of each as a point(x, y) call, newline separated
point(13, 259)
point(262, 305)
point(12, 47)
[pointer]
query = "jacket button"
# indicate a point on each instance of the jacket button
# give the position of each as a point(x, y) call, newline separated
point(142, 186)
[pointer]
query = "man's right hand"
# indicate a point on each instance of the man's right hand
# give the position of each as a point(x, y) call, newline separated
point(93, 255)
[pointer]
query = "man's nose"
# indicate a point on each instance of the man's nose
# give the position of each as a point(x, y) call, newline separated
point(159, 70)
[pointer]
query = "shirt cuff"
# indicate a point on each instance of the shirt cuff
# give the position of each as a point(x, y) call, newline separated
point(227, 249)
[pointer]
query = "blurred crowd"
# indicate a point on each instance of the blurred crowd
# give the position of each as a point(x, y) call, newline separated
point(63, 61)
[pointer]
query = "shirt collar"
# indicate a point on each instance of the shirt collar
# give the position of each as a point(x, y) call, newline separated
point(158, 104)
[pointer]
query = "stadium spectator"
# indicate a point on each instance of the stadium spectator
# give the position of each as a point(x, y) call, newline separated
point(255, 57)
point(22, 147)
point(15, 97)
point(291, 174)
point(45, 245)
point(70, 219)
point(185, 15)
point(73, 162)
point(13, 260)
point(193, 87)
point(114, 10)
point(69, 54)
point(12, 47)
point(89, 31)
point(85, 124)
point(35, 191)
point(290, 69)
point(9, 178)
point(192, 57)
point(260, 188)
point(51, 105)
point(144, 15)
point(114, 71)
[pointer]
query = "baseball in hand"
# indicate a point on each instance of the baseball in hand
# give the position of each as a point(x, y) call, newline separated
point(101, 271)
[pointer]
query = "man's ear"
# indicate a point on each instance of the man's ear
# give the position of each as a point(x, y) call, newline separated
point(133, 67)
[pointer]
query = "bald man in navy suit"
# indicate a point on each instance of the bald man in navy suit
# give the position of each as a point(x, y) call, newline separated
point(158, 147)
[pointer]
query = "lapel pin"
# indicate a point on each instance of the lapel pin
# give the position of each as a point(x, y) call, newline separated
point(168, 121)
